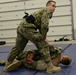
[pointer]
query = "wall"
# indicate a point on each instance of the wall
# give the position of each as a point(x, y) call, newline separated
point(12, 11)
point(74, 15)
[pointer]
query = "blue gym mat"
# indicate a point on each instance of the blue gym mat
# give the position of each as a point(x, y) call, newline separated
point(66, 70)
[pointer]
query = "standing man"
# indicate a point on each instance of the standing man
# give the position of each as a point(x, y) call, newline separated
point(34, 28)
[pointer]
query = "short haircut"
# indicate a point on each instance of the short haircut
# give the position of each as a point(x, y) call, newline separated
point(66, 61)
point(50, 2)
point(29, 52)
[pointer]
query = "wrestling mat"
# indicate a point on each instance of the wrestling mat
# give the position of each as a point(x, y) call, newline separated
point(66, 70)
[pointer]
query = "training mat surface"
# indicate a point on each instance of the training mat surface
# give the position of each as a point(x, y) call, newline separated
point(66, 70)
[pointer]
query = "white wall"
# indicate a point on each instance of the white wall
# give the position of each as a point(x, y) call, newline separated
point(12, 11)
point(74, 15)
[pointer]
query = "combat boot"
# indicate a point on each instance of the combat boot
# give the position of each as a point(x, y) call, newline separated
point(7, 63)
point(2, 62)
point(51, 68)
point(12, 66)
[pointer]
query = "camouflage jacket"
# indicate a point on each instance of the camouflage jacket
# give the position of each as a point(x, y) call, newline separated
point(41, 21)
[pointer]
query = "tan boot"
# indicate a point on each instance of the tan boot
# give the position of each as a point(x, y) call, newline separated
point(7, 63)
point(12, 66)
point(51, 68)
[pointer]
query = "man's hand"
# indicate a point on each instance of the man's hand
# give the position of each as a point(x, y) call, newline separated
point(47, 42)
point(29, 58)
point(27, 61)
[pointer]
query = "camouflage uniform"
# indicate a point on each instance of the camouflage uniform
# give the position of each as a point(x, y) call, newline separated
point(39, 64)
point(35, 32)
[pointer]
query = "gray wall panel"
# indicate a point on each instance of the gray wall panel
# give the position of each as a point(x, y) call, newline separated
point(12, 11)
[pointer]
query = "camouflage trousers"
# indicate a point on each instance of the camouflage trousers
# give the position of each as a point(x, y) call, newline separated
point(25, 32)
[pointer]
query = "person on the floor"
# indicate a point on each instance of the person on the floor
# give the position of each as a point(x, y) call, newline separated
point(34, 27)
point(33, 59)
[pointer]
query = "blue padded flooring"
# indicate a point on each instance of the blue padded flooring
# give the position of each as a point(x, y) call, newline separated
point(66, 70)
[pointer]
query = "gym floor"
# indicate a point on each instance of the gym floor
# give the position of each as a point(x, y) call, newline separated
point(66, 70)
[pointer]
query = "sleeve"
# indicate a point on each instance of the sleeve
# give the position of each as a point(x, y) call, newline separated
point(44, 24)
point(22, 55)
